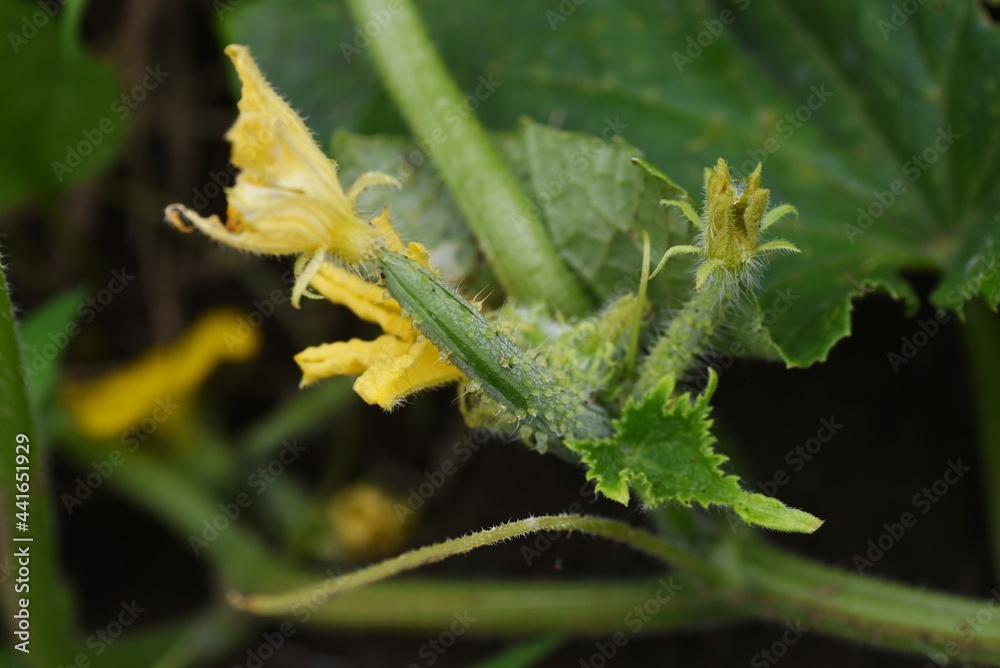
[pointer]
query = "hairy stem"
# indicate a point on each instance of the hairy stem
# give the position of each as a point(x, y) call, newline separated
point(511, 234)
point(981, 331)
point(29, 547)
point(687, 335)
point(638, 539)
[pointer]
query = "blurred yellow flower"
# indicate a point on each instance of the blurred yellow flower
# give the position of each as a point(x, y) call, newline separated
point(390, 368)
point(364, 522)
point(162, 379)
point(287, 199)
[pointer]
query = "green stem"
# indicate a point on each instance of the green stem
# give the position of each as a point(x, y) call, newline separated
point(527, 607)
point(510, 232)
point(777, 586)
point(689, 332)
point(50, 607)
point(981, 331)
point(638, 539)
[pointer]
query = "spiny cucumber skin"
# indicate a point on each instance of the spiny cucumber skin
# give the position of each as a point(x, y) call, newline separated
point(487, 356)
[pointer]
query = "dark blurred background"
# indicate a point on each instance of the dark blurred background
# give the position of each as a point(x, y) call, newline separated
point(898, 427)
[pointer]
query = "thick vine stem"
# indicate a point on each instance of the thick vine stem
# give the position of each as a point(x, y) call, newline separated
point(515, 241)
point(778, 586)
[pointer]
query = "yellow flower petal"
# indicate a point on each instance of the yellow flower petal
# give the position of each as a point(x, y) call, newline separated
point(386, 383)
point(396, 364)
point(347, 358)
point(383, 225)
point(287, 198)
point(417, 252)
point(367, 301)
point(413, 250)
point(278, 154)
point(163, 377)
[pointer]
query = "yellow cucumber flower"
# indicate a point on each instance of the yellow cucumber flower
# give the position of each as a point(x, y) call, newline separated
point(162, 379)
point(287, 199)
point(390, 368)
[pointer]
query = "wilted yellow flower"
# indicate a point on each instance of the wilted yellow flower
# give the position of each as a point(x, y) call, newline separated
point(287, 199)
point(162, 379)
point(394, 365)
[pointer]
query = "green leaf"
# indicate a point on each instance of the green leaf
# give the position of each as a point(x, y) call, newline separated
point(976, 271)
point(62, 131)
point(837, 101)
point(45, 335)
point(594, 200)
point(662, 448)
point(595, 203)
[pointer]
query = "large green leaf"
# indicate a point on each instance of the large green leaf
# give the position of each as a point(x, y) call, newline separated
point(662, 448)
point(842, 102)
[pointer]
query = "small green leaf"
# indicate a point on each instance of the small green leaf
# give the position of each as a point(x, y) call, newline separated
point(45, 335)
point(662, 448)
point(769, 512)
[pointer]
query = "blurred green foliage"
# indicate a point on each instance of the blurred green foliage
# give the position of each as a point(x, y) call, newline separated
point(63, 131)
